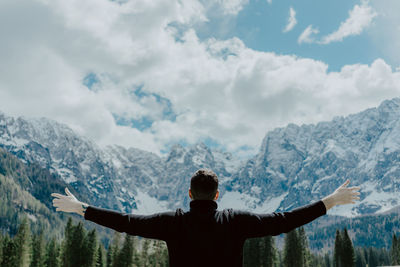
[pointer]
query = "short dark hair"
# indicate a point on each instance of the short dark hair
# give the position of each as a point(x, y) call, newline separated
point(204, 184)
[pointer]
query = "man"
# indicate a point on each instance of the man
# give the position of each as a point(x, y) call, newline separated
point(205, 236)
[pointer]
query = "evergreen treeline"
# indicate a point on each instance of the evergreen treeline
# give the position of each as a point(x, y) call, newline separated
point(371, 230)
point(262, 252)
point(78, 248)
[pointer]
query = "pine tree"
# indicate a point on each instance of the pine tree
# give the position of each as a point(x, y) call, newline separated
point(327, 260)
point(360, 258)
point(109, 256)
point(268, 252)
point(38, 250)
point(52, 254)
point(115, 249)
point(145, 252)
point(293, 253)
point(252, 252)
point(164, 259)
point(23, 244)
point(394, 251)
point(304, 247)
point(125, 256)
point(100, 256)
point(1, 247)
point(78, 257)
point(337, 253)
point(373, 258)
point(67, 244)
point(89, 249)
point(348, 257)
point(9, 253)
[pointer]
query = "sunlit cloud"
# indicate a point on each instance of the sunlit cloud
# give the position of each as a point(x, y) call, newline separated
point(307, 36)
point(360, 18)
point(292, 21)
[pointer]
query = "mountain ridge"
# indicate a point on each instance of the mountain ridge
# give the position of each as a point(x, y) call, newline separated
point(294, 165)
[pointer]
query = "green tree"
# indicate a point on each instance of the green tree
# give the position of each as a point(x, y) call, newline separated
point(348, 257)
point(337, 252)
point(304, 247)
point(66, 251)
point(394, 251)
point(1, 247)
point(77, 256)
point(373, 257)
point(109, 256)
point(293, 253)
point(360, 258)
point(38, 250)
point(327, 260)
point(89, 249)
point(23, 244)
point(125, 255)
point(52, 254)
point(145, 253)
point(112, 261)
point(252, 251)
point(100, 256)
point(9, 253)
point(268, 252)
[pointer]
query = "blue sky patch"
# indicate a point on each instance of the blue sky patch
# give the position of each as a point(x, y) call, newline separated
point(260, 26)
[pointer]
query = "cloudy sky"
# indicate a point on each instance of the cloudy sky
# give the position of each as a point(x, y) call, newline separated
point(149, 74)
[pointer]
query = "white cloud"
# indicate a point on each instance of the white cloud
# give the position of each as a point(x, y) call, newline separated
point(218, 89)
point(385, 32)
point(360, 18)
point(233, 6)
point(292, 21)
point(307, 35)
point(269, 1)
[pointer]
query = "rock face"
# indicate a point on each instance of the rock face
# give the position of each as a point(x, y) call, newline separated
point(295, 164)
point(113, 177)
point(310, 161)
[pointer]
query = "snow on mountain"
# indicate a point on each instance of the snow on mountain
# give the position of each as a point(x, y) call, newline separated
point(113, 177)
point(295, 165)
point(309, 161)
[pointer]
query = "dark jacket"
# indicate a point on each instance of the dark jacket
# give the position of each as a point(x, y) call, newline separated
point(205, 236)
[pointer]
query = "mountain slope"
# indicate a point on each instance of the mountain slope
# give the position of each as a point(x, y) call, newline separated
point(309, 161)
point(295, 165)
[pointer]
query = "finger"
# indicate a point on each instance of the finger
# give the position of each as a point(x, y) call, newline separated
point(57, 195)
point(345, 183)
point(58, 209)
point(68, 192)
point(354, 188)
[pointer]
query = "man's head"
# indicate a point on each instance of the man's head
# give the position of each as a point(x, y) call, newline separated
point(204, 185)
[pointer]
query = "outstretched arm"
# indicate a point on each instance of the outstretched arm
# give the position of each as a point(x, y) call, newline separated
point(69, 203)
point(257, 225)
point(154, 226)
point(342, 195)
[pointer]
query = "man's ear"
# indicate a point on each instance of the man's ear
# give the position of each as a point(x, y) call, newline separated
point(216, 195)
point(190, 194)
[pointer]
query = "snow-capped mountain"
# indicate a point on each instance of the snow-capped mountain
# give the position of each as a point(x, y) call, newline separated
point(295, 164)
point(113, 177)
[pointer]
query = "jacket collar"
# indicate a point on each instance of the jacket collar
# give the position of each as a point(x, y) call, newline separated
point(203, 205)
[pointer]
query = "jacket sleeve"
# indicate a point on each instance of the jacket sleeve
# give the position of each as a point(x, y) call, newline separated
point(154, 226)
point(250, 225)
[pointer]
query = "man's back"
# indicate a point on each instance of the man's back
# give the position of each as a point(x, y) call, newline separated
point(205, 236)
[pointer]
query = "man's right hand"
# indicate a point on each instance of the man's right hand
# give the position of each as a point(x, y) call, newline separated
point(342, 195)
point(68, 203)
